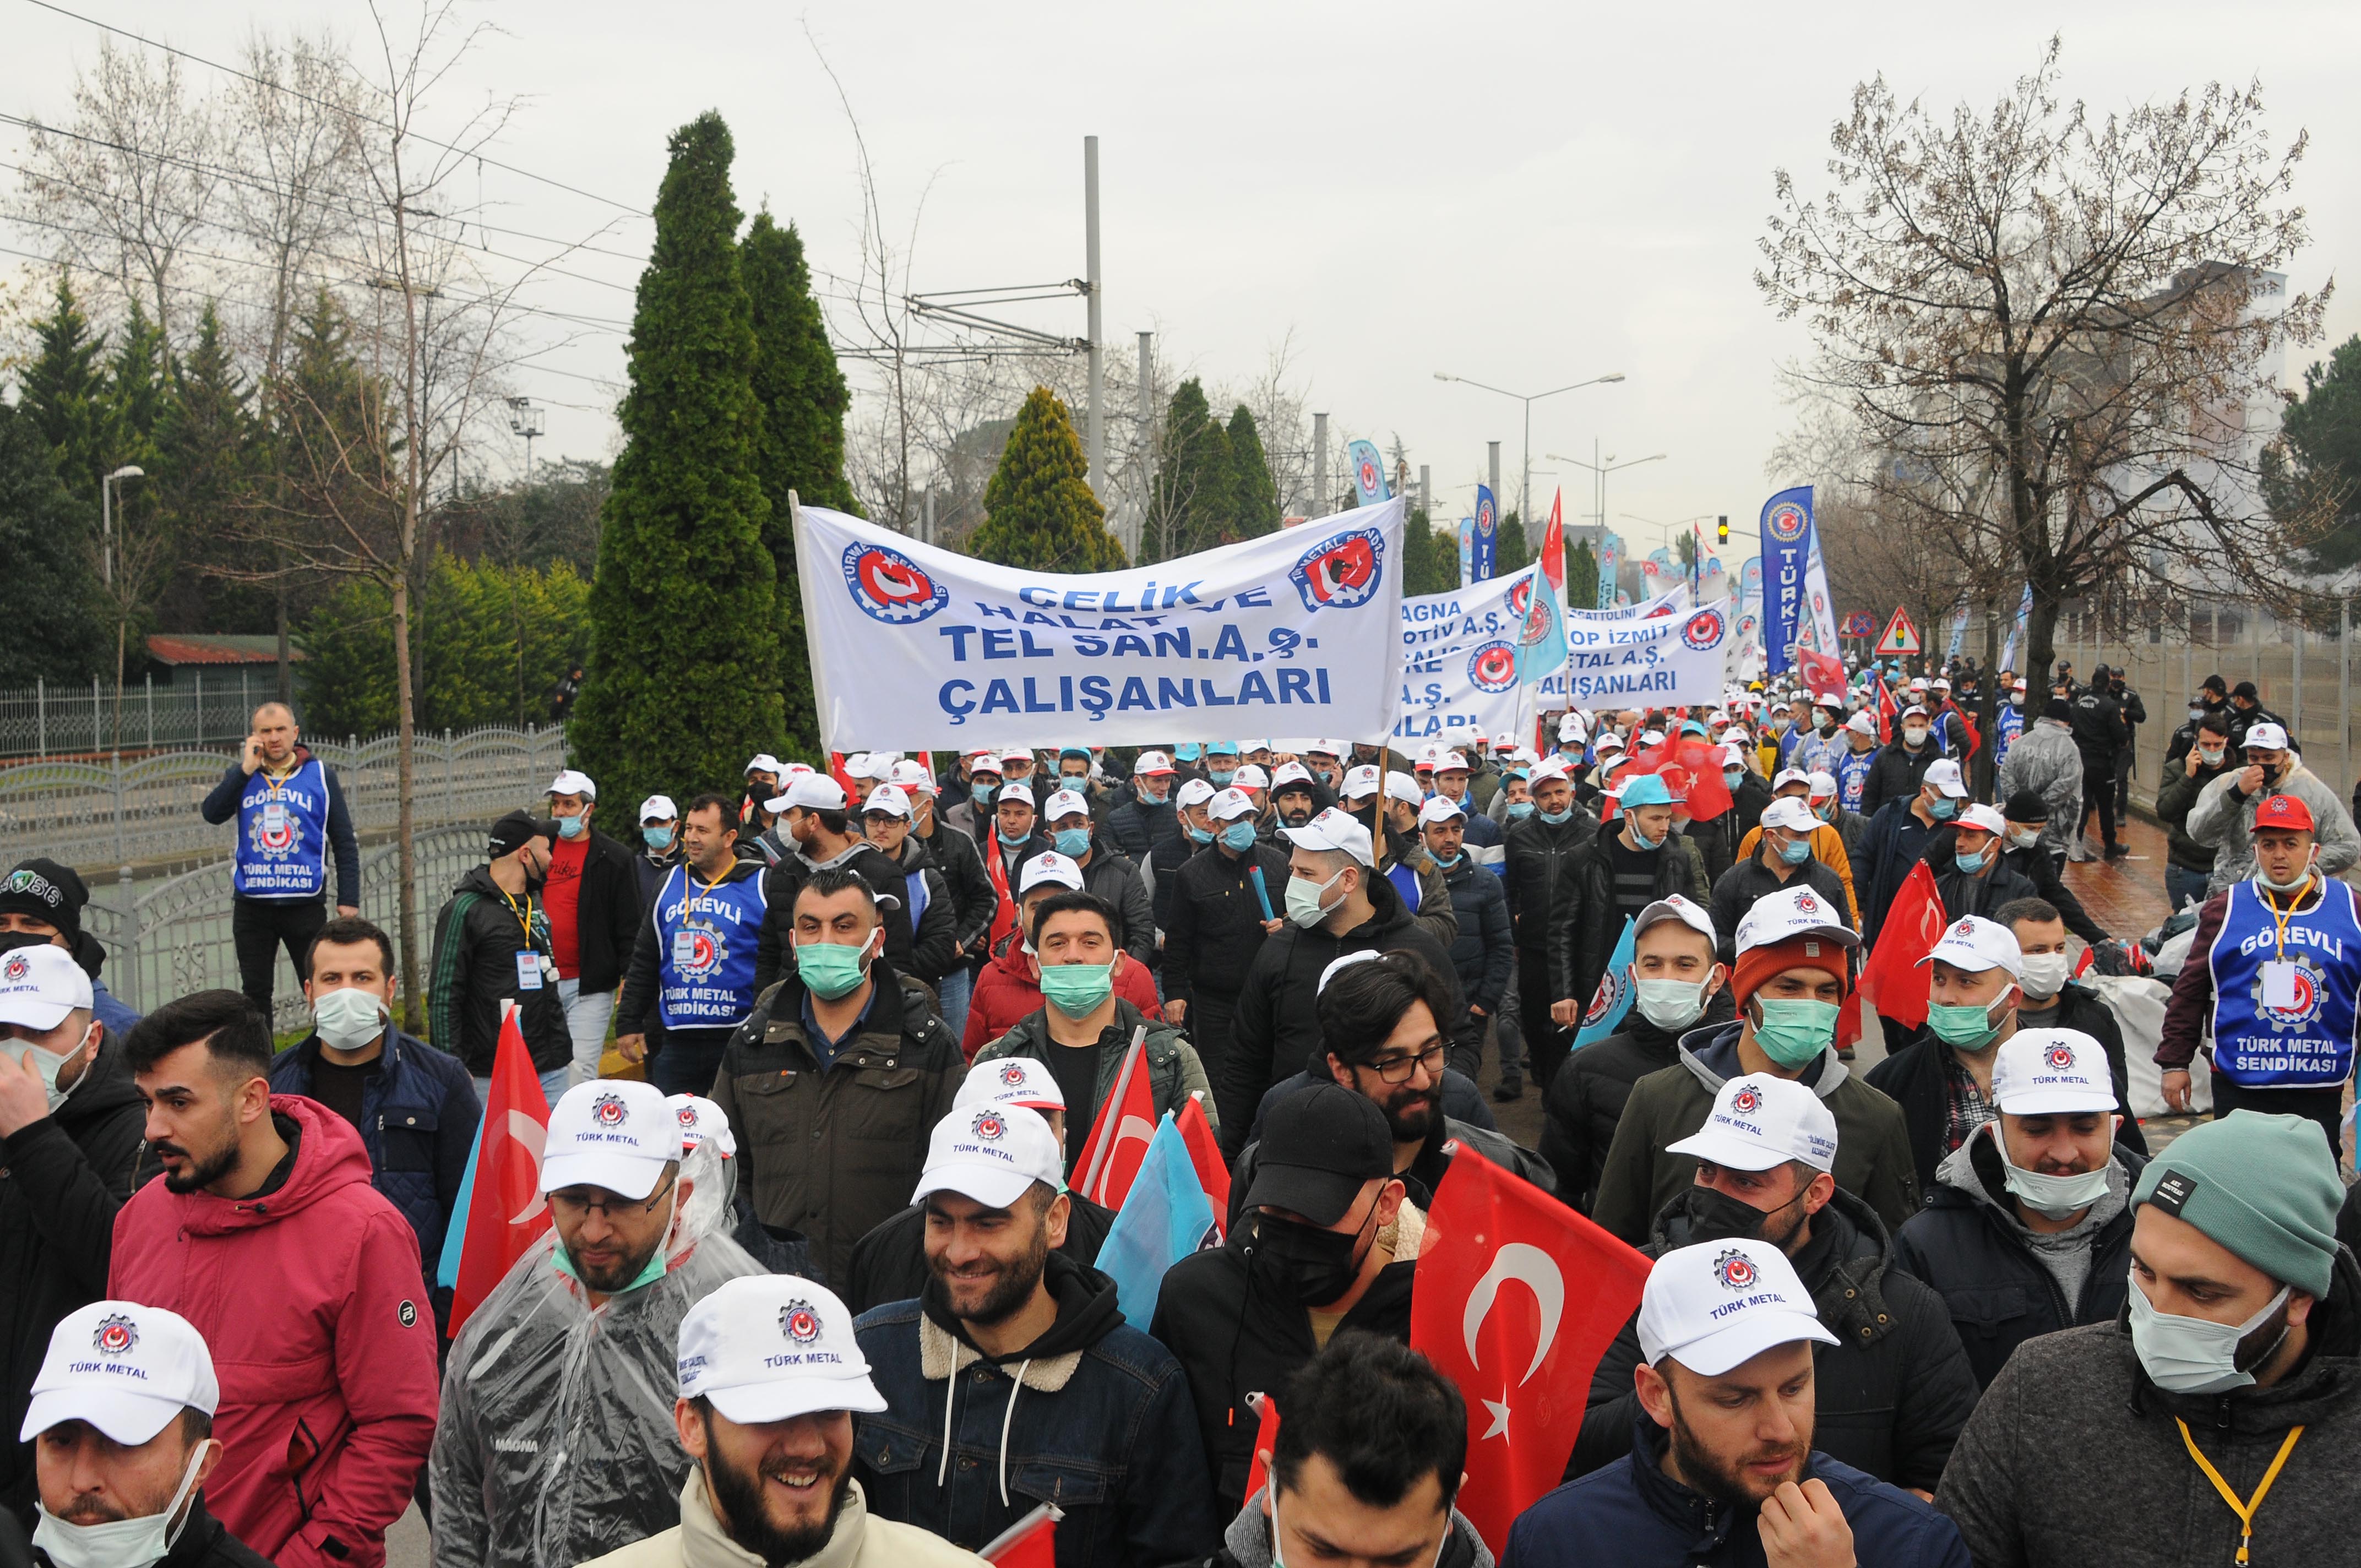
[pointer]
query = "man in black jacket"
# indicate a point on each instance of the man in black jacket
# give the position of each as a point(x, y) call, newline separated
point(814, 817)
point(1894, 1391)
point(593, 894)
point(491, 945)
point(1483, 950)
point(2100, 737)
point(1678, 985)
point(1782, 858)
point(1535, 855)
point(2027, 1228)
point(1898, 769)
point(2189, 865)
point(2135, 713)
point(70, 1138)
point(1942, 1079)
point(926, 892)
point(2047, 997)
point(1144, 818)
point(1335, 904)
point(2246, 710)
point(1240, 1317)
point(1215, 922)
point(2028, 815)
point(1969, 859)
point(973, 901)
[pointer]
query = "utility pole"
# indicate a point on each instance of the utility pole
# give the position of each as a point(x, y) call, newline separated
point(1493, 448)
point(1147, 439)
point(1319, 466)
point(1094, 447)
point(1426, 493)
point(926, 522)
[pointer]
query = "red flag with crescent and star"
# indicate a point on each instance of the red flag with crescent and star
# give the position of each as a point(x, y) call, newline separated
point(1127, 1116)
point(1893, 982)
point(1515, 1299)
point(506, 1212)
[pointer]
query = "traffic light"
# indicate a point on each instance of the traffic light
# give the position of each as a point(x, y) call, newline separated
point(1722, 531)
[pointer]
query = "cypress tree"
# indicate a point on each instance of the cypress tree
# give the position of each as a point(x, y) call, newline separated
point(682, 682)
point(1041, 515)
point(1510, 553)
point(1192, 478)
point(48, 595)
point(1253, 496)
point(65, 391)
point(804, 400)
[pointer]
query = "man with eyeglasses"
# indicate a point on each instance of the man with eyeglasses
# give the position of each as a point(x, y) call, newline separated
point(556, 1442)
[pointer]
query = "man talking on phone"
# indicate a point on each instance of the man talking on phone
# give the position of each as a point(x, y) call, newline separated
point(291, 818)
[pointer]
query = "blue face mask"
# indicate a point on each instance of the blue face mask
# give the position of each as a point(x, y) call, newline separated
point(1732, 777)
point(1442, 864)
point(1073, 843)
point(1794, 851)
point(1943, 808)
point(1642, 841)
point(1221, 777)
point(1557, 818)
point(570, 827)
point(658, 837)
point(1520, 809)
point(1971, 864)
point(1198, 835)
point(1151, 795)
point(1001, 835)
point(981, 793)
point(1239, 836)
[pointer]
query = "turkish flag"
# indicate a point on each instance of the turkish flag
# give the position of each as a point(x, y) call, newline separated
point(506, 1212)
point(1523, 1357)
point(1205, 1155)
point(1118, 1146)
point(1691, 768)
point(1266, 1441)
point(1824, 676)
point(1886, 710)
point(1554, 546)
point(1894, 982)
point(1030, 1542)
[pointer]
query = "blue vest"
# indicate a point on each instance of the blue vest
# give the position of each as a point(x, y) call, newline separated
point(1852, 776)
point(2010, 725)
point(2309, 1046)
point(1405, 882)
point(283, 835)
point(704, 946)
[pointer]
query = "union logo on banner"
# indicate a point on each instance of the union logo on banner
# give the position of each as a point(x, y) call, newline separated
point(890, 586)
point(1786, 522)
point(1493, 667)
point(1341, 572)
point(1703, 631)
point(1368, 476)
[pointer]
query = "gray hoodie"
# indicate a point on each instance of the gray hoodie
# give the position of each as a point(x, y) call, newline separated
point(1248, 1539)
point(2066, 1254)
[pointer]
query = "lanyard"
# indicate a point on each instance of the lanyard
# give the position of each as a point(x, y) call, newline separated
point(2279, 917)
point(523, 916)
point(2245, 1510)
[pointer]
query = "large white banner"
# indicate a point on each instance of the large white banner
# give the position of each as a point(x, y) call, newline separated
point(1668, 661)
point(1459, 661)
point(916, 648)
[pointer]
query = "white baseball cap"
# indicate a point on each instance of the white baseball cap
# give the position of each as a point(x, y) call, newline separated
point(1362, 782)
point(1290, 773)
point(2266, 737)
point(1944, 775)
point(570, 782)
point(1339, 965)
point(1570, 727)
point(1325, 748)
point(1152, 763)
point(984, 762)
point(1984, 818)
point(1720, 1304)
point(2018, 685)
point(788, 770)
point(1787, 776)
point(1404, 788)
point(1010, 1080)
point(993, 1153)
point(769, 1347)
point(1452, 762)
point(700, 1120)
point(1975, 944)
point(1015, 789)
point(1192, 791)
point(1441, 808)
point(1789, 913)
point(1230, 804)
point(765, 763)
point(1430, 755)
point(1546, 769)
point(1862, 723)
point(1823, 784)
point(2051, 1073)
point(1016, 754)
point(1065, 802)
point(1917, 683)
point(658, 808)
point(127, 1369)
point(1733, 755)
point(1049, 866)
point(1611, 742)
point(910, 773)
point(1678, 908)
point(1651, 736)
point(1251, 776)
point(1760, 1122)
point(812, 792)
point(889, 799)
point(1332, 830)
point(609, 1133)
point(39, 985)
point(1914, 707)
point(1789, 814)
point(1735, 736)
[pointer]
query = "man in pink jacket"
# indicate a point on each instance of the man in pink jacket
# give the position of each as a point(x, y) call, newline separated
point(265, 1233)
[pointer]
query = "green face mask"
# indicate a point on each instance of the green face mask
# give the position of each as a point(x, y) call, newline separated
point(1967, 1029)
point(1076, 989)
point(830, 970)
point(1794, 1030)
point(561, 1261)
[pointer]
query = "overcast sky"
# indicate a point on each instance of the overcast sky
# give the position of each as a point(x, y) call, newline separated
point(1527, 195)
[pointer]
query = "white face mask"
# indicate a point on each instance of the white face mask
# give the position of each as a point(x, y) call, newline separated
point(118, 1543)
point(2044, 975)
point(1670, 1004)
point(2054, 1197)
point(2181, 1355)
point(348, 1019)
point(2023, 837)
point(2301, 880)
point(1304, 905)
point(1914, 735)
point(49, 1064)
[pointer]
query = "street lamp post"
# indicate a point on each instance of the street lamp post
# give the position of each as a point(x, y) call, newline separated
point(1525, 484)
point(107, 519)
point(1601, 467)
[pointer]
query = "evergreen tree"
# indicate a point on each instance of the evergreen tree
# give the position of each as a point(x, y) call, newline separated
point(1041, 515)
point(1510, 553)
point(1252, 497)
point(682, 677)
point(206, 441)
point(57, 628)
point(2312, 473)
point(804, 400)
point(1192, 479)
point(1582, 577)
point(65, 391)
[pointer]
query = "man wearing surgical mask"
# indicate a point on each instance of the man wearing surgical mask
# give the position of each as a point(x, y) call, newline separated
point(1217, 921)
point(1899, 767)
point(1107, 870)
point(2028, 1227)
point(1943, 1079)
point(414, 1106)
point(2226, 814)
point(121, 1428)
point(1970, 859)
point(69, 1138)
point(1899, 837)
point(1678, 985)
point(592, 892)
point(2050, 999)
point(1789, 986)
point(2189, 865)
point(2221, 1402)
point(1894, 1388)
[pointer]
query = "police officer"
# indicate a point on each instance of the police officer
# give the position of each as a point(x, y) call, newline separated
point(692, 965)
point(2100, 737)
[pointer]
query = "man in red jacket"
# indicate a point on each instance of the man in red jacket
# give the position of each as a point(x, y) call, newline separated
point(305, 1280)
point(1009, 988)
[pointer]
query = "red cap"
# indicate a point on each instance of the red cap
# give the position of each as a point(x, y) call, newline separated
point(2284, 812)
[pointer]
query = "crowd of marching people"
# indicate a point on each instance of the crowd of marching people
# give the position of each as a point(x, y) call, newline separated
point(834, 1253)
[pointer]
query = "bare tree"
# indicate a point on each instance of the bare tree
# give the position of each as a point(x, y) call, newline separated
point(2060, 328)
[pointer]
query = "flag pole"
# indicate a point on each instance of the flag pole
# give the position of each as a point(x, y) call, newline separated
point(1115, 1099)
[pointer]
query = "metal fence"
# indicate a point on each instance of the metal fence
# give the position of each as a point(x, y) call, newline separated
point(95, 816)
point(169, 937)
point(46, 721)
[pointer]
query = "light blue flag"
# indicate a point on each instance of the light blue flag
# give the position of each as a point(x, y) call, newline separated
point(1608, 1008)
point(1368, 474)
point(454, 1235)
point(1164, 1218)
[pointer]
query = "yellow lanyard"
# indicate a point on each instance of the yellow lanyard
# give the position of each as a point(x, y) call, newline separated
point(2279, 917)
point(2245, 1510)
point(525, 918)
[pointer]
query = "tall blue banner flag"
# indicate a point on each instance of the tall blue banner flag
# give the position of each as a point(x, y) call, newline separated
point(1487, 536)
point(1786, 548)
point(1368, 473)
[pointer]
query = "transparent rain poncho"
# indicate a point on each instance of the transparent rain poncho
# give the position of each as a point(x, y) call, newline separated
point(555, 1443)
